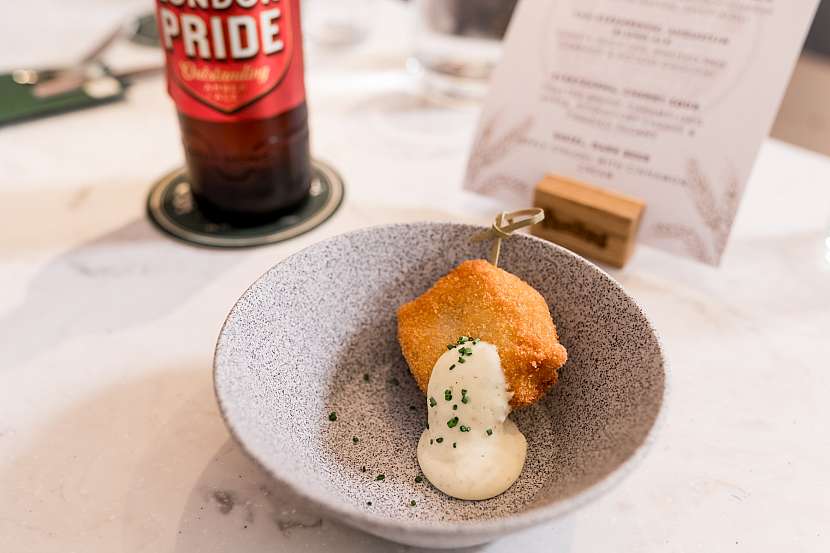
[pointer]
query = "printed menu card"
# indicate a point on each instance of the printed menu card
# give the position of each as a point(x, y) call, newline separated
point(667, 101)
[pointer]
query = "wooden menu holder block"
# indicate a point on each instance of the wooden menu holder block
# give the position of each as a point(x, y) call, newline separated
point(591, 221)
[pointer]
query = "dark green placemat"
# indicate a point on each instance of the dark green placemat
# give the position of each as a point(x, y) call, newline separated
point(18, 102)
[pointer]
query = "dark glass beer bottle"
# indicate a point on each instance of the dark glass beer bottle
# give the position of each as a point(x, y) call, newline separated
point(235, 73)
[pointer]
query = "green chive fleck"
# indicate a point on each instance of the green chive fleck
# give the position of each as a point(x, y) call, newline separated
point(332, 416)
point(464, 398)
point(355, 439)
point(365, 377)
point(450, 346)
point(455, 407)
point(439, 440)
point(419, 479)
point(452, 366)
point(452, 422)
point(380, 478)
point(448, 394)
point(489, 431)
point(465, 351)
point(432, 402)
point(412, 503)
point(461, 360)
point(464, 428)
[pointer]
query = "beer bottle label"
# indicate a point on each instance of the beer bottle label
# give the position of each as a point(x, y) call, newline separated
point(230, 60)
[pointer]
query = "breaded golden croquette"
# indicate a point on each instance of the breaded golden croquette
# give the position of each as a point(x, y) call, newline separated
point(480, 300)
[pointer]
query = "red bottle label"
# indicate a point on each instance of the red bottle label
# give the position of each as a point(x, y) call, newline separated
point(229, 60)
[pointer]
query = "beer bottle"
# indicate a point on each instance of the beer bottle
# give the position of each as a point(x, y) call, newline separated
point(235, 73)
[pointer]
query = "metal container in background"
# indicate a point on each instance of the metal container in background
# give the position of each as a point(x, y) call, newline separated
point(458, 43)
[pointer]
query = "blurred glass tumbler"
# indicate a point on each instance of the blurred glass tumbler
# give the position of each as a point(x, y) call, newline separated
point(458, 43)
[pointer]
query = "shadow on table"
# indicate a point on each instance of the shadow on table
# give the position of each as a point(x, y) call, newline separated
point(236, 506)
point(128, 276)
point(122, 465)
point(110, 470)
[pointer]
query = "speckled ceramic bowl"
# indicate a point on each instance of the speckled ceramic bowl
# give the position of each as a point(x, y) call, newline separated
point(300, 342)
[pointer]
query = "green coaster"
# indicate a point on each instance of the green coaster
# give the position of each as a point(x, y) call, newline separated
point(171, 207)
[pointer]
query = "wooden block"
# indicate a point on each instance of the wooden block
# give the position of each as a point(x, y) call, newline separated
point(588, 220)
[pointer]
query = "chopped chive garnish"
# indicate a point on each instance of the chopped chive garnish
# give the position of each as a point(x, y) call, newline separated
point(465, 351)
point(450, 346)
point(453, 445)
point(395, 381)
point(365, 377)
point(452, 366)
point(432, 402)
point(452, 422)
point(419, 479)
point(412, 503)
point(448, 394)
point(332, 416)
point(461, 360)
point(355, 439)
point(464, 428)
point(363, 468)
point(380, 478)
point(455, 407)
point(489, 431)
point(464, 398)
point(439, 440)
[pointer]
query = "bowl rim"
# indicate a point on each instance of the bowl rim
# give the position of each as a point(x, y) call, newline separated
point(494, 526)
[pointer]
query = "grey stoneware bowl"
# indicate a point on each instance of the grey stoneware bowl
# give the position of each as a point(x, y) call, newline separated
point(317, 334)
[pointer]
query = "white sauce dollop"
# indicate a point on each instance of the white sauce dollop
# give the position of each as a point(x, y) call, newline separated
point(459, 456)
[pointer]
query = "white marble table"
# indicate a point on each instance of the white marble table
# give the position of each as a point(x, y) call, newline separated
point(110, 439)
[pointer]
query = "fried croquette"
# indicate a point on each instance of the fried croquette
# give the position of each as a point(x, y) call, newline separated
point(480, 300)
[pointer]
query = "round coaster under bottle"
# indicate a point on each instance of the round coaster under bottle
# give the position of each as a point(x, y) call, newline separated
point(171, 207)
